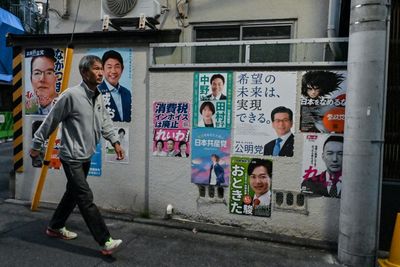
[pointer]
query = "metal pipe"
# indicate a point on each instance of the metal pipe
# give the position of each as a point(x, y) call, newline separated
point(333, 26)
point(65, 14)
point(363, 137)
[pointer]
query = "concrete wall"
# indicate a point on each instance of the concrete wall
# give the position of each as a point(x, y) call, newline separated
point(155, 182)
point(310, 16)
point(121, 186)
point(169, 181)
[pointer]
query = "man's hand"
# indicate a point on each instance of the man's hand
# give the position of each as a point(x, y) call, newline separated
point(34, 153)
point(119, 151)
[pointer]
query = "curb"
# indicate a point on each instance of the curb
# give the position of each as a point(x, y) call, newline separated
point(202, 227)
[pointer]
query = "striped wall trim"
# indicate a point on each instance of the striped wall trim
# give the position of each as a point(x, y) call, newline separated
point(17, 109)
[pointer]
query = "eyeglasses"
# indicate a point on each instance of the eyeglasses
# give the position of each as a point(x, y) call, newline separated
point(37, 74)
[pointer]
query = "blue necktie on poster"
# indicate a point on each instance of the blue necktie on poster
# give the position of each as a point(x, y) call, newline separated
point(277, 147)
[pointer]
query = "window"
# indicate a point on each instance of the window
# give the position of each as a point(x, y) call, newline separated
point(245, 32)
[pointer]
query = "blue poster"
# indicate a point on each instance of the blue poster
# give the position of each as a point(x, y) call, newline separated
point(116, 87)
point(95, 164)
point(211, 156)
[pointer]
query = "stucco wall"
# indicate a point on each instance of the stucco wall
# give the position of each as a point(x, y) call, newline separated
point(169, 181)
point(121, 186)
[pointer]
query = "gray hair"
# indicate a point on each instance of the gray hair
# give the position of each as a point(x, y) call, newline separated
point(86, 62)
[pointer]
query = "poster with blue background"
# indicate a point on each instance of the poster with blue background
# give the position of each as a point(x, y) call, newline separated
point(95, 164)
point(210, 148)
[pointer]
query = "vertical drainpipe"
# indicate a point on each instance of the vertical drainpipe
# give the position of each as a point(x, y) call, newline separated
point(333, 26)
point(364, 133)
point(65, 13)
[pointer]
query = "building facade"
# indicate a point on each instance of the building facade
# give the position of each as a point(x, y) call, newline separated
point(266, 53)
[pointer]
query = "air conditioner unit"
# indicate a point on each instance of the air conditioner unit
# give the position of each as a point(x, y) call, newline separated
point(118, 9)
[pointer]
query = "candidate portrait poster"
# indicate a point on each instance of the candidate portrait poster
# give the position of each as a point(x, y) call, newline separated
point(323, 101)
point(123, 137)
point(116, 87)
point(212, 99)
point(322, 165)
point(211, 156)
point(43, 74)
point(171, 137)
point(250, 186)
point(256, 95)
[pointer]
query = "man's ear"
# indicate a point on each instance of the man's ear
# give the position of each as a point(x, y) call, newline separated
point(84, 75)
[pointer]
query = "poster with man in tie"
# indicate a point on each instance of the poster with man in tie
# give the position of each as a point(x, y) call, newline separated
point(322, 165)
point(282, 122)
point(212, 99)
point(257, 95)
point(250, 187)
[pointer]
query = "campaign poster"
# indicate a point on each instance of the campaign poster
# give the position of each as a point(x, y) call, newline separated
point(212, 99)
point(43, 76)
point(171, 121)
point(211, 156)
point(123, 137)
point(116, 87)
point(322, 165)
point(323, 101)
point(257, 94)
point(55, 162)
point(95, 164)
point(250, 186)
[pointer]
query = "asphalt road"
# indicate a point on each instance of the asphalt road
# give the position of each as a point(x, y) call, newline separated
point(147, 242)
point(6, 166)
point(23, 243)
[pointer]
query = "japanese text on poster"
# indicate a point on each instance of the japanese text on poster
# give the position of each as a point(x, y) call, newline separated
point(43, 75)
point(257, 94)
point(322, 165)
point(250, 187)
point(171, 129)
point(211, 156)
point(323, 101)
point(212, 99)
point(116, 87)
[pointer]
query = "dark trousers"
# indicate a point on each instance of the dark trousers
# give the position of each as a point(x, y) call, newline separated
point(79, 193)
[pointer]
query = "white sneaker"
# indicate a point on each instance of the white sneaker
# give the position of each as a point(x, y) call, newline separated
point(110, 246)
point(62, 233)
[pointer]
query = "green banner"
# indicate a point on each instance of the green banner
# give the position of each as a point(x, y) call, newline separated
point(250, 186)
point(6, 125)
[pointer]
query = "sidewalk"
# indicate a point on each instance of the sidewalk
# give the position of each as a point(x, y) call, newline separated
point(23, 243)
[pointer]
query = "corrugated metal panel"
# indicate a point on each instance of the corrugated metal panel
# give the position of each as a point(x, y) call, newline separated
point(391, 166)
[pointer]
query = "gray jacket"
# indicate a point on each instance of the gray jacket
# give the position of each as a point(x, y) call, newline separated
point(84, 120)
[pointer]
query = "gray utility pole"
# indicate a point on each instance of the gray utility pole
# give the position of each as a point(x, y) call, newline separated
point(364, 133)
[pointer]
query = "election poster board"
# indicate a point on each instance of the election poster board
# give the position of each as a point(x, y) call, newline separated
point(256, 95)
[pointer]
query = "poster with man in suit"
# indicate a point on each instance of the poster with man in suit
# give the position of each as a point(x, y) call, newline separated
point(257, 127)
point(322, 165)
